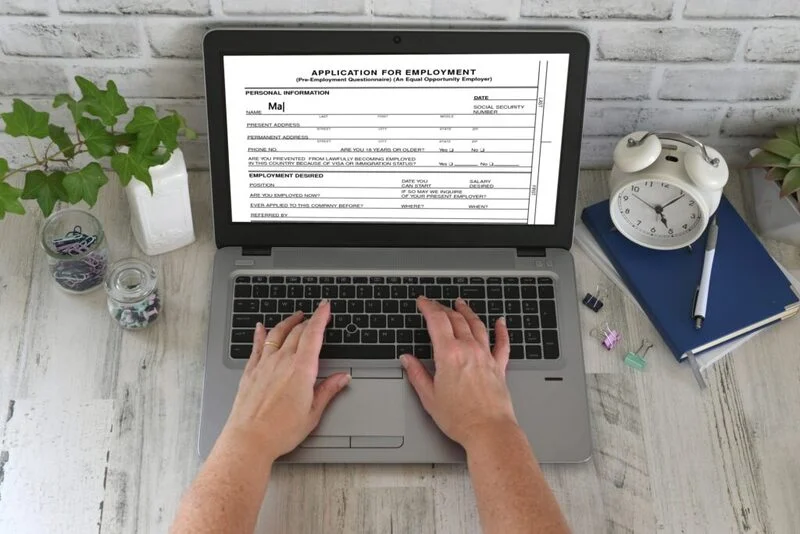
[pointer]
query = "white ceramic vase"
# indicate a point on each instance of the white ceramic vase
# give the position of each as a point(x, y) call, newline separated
point(162, 221)
point(776, 218)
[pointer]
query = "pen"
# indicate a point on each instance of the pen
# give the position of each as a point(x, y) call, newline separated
point(701, 294)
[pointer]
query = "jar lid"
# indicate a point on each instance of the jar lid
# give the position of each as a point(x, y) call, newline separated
point(130, 280)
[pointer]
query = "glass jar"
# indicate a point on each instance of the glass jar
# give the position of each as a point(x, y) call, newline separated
point(132, 289)
point(77, 252)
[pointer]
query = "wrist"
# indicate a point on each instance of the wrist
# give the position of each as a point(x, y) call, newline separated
point(248, 444)
point(486, 435)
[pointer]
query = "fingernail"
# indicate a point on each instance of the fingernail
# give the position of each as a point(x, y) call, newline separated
point(404, 360)
point(298, 312)
point(259, 325)
point(322, 303)
point(344, 380)
point(459, 300)
point(502, 320)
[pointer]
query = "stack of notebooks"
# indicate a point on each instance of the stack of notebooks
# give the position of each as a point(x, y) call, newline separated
point(749, 290)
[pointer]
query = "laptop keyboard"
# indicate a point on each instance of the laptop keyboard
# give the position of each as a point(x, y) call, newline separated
point(376, 317)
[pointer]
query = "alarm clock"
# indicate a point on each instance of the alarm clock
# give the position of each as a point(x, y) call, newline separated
point(665, 187)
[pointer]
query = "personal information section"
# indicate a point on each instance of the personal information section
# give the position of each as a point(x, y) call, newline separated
point(401, 138)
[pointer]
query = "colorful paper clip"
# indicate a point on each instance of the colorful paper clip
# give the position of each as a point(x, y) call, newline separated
point(595, 302)
point(606, 335)
point(636, 359)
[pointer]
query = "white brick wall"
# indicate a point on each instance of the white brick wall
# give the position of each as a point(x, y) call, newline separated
point(727, 71)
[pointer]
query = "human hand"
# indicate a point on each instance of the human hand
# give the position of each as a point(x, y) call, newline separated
point(278, 405)
point(468, 394)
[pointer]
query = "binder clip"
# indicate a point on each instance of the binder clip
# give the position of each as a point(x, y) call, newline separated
point(607, 336)
point(595, 302)
point(636, 359)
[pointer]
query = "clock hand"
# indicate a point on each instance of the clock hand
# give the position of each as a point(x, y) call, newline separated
point(674, 200)
point(664, 221)
point(642, 200)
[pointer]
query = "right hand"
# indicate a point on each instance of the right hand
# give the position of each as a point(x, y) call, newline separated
point(468, 395)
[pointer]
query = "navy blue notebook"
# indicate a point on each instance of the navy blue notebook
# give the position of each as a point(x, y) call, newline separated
point(748, 290)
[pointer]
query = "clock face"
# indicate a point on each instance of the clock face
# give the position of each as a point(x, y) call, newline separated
point(658, 214)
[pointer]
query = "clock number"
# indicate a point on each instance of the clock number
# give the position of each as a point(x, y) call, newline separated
point(653, 230)
point(670, 231)
point(638, 222)
point(625, 197)
point(685, 226)
point(691, 202)
point(627, 210)
point(663, 184)
point(635, 188)
point(693, 216)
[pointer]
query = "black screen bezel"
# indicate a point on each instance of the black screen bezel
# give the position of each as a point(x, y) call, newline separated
point(218, 43)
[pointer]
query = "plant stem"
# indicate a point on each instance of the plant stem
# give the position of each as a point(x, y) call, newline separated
point(37, 163)
point(30, 144)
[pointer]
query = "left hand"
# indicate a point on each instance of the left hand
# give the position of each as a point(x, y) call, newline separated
point(278, 404)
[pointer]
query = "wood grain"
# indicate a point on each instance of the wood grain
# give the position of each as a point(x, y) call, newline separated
point(668, 456)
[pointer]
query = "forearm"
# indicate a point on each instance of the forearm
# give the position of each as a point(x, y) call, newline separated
point(228, 491)
point(510, 490)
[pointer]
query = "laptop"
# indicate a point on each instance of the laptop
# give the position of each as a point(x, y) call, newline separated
point(369, 167)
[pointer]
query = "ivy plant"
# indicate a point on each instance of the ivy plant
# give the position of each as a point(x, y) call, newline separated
point(145, 141)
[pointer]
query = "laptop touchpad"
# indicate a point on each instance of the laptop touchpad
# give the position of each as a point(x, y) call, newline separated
point(367, 407)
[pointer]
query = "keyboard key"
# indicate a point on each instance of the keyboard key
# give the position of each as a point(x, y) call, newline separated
point(333, 336)
point(275, 279)
point(478, 306)
point(527, 280)
point(408, 306)
point(421, 336)
point(292, 279)
point(355, 306)
point(515, 337)
point(372, 306)
point(261, 291)
point(377, 321)
point(390, 306)
point(517, 352)
point(444, 280)
point(386, 336)
point(242, 335)
point(347, 292)
point(415, 290)
point(330, 292)
point(530, 306)
point(423, 352)
point(475, 280)
point(533, 337)
point(395, 321)
point(530, 321)
point(259, 279)
point(245, 305)
point(241, 352)
point(340, 320)
point(494, 292)
point(277, 292)
point(473, 292)
point(364, 292)
point(361, 321)
point(309, 279)
point(533, 352)
point(241, 291)
point(512, 306)
point(393, 280)
point(550, 344)
point(350, 337)
point(511, 292)
point(369, 336)
point(494, 280)
point(399, 292)
point(339, 306)
point(413, 321)
point(426, 280)
point(410, 280)
point(242, 279)
point(303, 305)
point(511, 280)
point(405, 336)
point(461, 280)
point(326, 280)
point(514, 321)
point(360, 280)
point(376, 280)
point(381, 292)
point(547, 313)
point(495, 306)
point(433, 292)
point(313, 292)
point(295, 292)
point(269, 306)
point(405, 349)
point(546, 292)
point(247, 321)
point(271, 319)
point(544, 280)
point(286, 306)
point(529, 292)
point(357, 352)
point(450, 292)
point(343, 280)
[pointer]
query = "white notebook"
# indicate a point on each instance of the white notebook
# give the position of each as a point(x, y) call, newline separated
point(587, 243)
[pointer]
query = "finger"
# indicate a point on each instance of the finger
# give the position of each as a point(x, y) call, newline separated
point(459, 324)
point(280, 332)
point(502, 345)
point(435, 315)
point(311, 342)
point(476, 326)
point(258, 345)
point(325, 391)
point(290, 345)
point(421, 379)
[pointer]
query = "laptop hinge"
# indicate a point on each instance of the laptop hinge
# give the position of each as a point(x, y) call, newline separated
point(263, 251)
point(528, 252)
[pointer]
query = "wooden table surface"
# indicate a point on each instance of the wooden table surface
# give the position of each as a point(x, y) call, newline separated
point(98, 427)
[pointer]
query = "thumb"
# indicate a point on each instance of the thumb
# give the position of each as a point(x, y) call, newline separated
point(325, 391)
point(421, 379)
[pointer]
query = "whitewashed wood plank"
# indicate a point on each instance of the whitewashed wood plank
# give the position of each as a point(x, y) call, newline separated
point(53, 460)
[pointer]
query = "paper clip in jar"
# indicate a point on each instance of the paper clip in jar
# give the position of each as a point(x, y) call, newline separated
point(132, 289)
point(607, 336)
point(636, 359)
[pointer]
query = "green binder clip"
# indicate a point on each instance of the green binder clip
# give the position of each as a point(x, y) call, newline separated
point(636, 359)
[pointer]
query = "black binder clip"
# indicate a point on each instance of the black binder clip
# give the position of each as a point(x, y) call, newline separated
point(595, 302)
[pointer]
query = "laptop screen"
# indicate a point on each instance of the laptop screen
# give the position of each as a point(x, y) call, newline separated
point(449, 138)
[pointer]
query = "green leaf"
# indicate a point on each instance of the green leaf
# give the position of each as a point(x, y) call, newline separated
point(9, 200)
point(794, 162)
point(187, 132)
point(3, 168)
point(26, 121)
point(767, 159)
point(782, 148)
point(791, 182)
point(107, 105)
point(151, 131)
point(85, 183)
point(77, 108)
point(88, 89)
point(99, 142)
point(788, 133)
point(62, 140)
point(132, 165)
point(47, 190)
point(776, 174)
